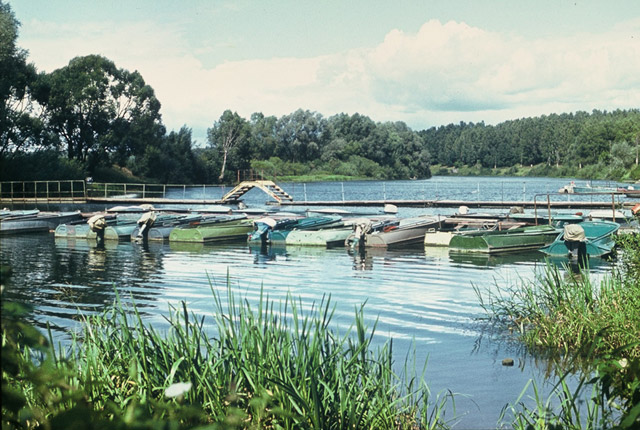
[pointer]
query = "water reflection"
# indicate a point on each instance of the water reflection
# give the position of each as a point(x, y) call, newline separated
point(419, 297)
point(491, 261)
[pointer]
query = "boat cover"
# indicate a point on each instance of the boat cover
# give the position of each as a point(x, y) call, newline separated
point(574, 233)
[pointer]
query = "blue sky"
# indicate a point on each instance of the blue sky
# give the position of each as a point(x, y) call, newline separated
point(427, 63)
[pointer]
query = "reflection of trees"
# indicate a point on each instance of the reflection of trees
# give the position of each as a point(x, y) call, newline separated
point(63, 276)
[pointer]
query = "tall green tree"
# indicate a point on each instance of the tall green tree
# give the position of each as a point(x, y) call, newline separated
point(229, 131)
point(20, 124)
point(99, 110)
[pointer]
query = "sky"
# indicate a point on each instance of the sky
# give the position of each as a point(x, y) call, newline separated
point(427, 63)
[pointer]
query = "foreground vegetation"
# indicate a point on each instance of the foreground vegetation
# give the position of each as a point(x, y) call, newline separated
point(582, 327)
point(269, 367)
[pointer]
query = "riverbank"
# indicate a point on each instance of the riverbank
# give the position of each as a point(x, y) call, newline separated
point(590, 172)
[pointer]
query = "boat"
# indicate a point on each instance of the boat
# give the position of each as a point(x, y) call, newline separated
point(6, 213)
point(217, 228)
point(324, 237)
point(118, 228)
point(572, 188)
point(503, 241)
point(557, 220)
point(608, 215)
point(392, 232)
point(17, 222)
point(593, 236)
point(268, 230)
point(161, 228)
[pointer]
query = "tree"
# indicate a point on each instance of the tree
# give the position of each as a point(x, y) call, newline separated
point(19, 122)
point(230, 130)
point(101, 111)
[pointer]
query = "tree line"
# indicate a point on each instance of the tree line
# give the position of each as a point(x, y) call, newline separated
point(91, 118)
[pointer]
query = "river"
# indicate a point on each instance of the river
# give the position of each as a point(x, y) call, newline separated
point(420, 297)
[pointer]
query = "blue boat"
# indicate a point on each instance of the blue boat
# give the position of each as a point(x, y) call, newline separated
point(591, 238)
point(268, 230)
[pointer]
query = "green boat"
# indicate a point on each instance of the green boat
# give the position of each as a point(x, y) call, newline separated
point(496, 241)
point(594, 237)
point(324, 237)
point(214, 229)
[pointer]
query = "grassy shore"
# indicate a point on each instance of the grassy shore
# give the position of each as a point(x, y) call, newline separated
point(586, 328)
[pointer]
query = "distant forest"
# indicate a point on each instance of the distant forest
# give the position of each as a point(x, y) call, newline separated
point(91, 118)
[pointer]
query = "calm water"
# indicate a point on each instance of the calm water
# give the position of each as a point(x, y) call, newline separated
point(421, 297)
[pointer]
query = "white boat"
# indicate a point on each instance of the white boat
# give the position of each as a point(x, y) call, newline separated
point(393, 233)
point(35, 222)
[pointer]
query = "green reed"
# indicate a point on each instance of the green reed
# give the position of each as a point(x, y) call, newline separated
point(269, 365)
point(562, 312)
point(589, 331)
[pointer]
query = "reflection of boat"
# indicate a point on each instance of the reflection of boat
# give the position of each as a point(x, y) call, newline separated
point(213, 229)
point(492, 260)
point(592, 238)
point(393, 233)
point(496, 241)
point(34, 221)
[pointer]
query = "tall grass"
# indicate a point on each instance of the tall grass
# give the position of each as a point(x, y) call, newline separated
point(588, 329)
point(271, 365)
point(563, 313)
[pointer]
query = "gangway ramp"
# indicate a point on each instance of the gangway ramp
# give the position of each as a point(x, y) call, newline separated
point(268, 187)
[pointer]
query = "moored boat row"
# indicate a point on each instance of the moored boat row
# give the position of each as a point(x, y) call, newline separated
point(461, 233)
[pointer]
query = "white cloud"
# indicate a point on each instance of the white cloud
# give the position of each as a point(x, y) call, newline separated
point(443, 73)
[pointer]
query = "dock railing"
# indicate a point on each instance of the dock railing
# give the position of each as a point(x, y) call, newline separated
point(43, 191)
point(613, 195)
point(106, 191)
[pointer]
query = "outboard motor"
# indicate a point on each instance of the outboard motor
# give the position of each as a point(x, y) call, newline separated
point(144, 224)
point(360, 231)
point(576, 242)
point(98, 224)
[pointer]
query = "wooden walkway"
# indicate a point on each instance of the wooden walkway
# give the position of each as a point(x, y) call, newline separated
point(458, 203)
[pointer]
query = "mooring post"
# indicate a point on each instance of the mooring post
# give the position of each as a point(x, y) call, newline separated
point(342, 184)
point(304, 187)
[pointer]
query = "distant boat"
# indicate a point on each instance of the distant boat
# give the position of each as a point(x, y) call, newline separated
point(503, 241)
point(34, 221)
point(572, 188)
point(594, 236)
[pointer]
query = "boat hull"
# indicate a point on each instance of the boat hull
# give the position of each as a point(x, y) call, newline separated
point(231, 230)
point(326, 237)
point(496, 242)
point(36, 223)
point(407, 232)
point(598, 240)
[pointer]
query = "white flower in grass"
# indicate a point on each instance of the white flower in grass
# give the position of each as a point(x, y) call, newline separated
point(177, 389)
